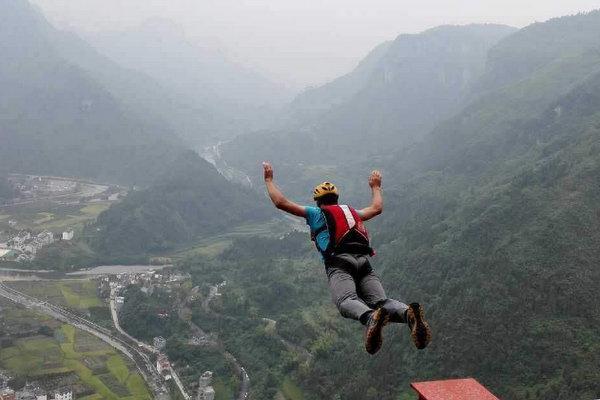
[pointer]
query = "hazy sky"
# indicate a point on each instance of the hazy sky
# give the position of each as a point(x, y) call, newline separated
point(302, 42)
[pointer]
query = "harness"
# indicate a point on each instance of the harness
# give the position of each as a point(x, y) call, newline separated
point(347, 233)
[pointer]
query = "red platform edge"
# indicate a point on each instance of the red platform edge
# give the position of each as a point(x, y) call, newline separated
point(452, 389)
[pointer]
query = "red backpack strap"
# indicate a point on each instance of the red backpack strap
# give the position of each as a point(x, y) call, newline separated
point(336, 222)
point(360, 226)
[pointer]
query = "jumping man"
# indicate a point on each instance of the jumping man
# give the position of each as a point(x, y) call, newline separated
point(342, 239)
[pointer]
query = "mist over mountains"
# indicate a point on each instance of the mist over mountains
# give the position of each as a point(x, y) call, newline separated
point(234, 99)
point(397, 94)
point(71, 110)
point(56, 118)
point(408, 85)
point(67, 110)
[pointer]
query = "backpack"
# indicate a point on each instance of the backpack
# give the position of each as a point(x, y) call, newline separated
point(347, 233)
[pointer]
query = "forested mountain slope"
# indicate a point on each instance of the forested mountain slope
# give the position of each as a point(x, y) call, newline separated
point(508, 264)
point(495, 224)
point(491, 221)
point(538, 46)
point(507, 270)
point(190, 199)
point(491, 127)
point(66, 110)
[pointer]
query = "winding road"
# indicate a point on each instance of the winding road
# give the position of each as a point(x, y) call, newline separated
point(185, 315)
point(147, 347)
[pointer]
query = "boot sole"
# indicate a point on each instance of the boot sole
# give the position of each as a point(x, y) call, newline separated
point(375, 339)
point(420, 331)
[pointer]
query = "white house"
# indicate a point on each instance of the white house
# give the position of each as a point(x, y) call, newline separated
point(68, 235)
point(63, 394)
point(163, 366)
point(205, 390)
point(205, 379)
point(208, 393)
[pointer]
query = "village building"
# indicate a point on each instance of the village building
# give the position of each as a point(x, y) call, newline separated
point(163, 366)
point(207, 393)
point(63, 394)
point(7, 394)
point(205, 390)
point(159, 343)
point(40, 394)
point(68, 235)
point(5, 253)
point(119, 301)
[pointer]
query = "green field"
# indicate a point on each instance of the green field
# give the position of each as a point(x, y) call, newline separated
point(291, 390)
point(99, 367)
point(79, 295)
point(76, 219)
point(75, 294)
point(52, 217)
point(216, 244)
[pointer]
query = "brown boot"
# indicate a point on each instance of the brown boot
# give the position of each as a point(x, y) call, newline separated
point(419, 329)
point(374, 330)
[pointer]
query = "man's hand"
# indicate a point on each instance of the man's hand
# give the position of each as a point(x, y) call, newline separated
point(278, 199)
point(268, 171)
point(376, 206)
point(374, 179)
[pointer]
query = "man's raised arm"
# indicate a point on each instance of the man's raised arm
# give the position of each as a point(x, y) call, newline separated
point(376, 206)
point(278, 199)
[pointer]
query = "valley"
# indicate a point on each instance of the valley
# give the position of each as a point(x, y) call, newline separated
point(134, 265)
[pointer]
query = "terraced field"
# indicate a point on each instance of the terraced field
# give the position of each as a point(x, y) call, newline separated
point(80, 296)
point(75, 294)
point(54, 351)
point(215, 244)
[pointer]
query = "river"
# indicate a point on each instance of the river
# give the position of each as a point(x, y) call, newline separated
point(10, 274)
point(212, 154)
point(118, 269)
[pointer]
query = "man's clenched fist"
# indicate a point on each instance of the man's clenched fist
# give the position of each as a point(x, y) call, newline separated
point(268, 171)
point(375, 179)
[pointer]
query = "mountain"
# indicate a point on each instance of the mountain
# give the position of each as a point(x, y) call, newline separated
point(404, 88)
point(67, 110)
point(491, 215)
point(55, 118)
point(490, 220)
point(490, 127)
point(506, 260)
point(191, 199)
point(398, 93)
point(140, 95)
point(234, 98)
point(315, 101)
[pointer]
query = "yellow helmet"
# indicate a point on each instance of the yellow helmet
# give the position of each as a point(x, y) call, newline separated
point(324, 189)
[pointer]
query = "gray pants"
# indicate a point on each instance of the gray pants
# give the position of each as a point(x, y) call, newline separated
point(356, 289)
